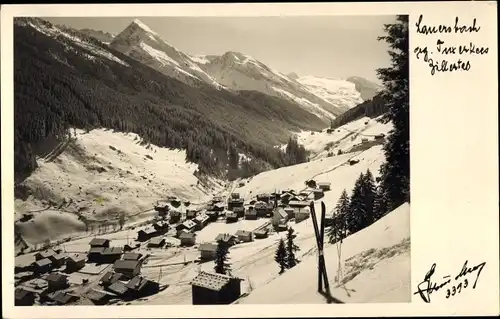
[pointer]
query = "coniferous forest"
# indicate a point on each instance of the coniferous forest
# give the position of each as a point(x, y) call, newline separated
point(58, 87)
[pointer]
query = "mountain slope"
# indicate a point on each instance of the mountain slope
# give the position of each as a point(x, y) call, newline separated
point(340, 93)
point(239, 71)
point(66, 80)
point(367, 89)
point(378, 255)
point(145, 45)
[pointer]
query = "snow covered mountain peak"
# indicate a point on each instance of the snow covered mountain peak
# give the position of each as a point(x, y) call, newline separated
point(143, 26)
point(143, 44)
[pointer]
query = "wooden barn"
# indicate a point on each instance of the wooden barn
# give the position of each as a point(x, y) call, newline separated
point(110, 255)
point(261, 208)
point(187, 239)
point(94, 254)
point(57, 281)
point(129, 268)
point(231, 217)
point(379, 137)
point(24, 297)
point(187, 226)
point(240, 211)
point(244, 236)
point(62, 298)
point(227, 238)
point(251, 214)
point(207, 251)
point(146, 233)
point(45, 254)
point(75, 262)
point(132, 256)
point(325, 186)
point(279, 215)
point(212, 215)
point(99, 297)
point(201, 221)
point(99, 242)
point(232, 203)
point(215, 289)
point(353, 162)
point(140, 287)
point(261, 233)
point(157, 242)
point(119, 288)
point(263, 198)
point(42, 266)
point(58, 260)
point(175, 217)
point(110, 278)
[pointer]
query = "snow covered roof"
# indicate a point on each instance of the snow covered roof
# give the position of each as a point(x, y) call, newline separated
point(187, 235)
point(43, 262)
point(126, 264)
point(212, 281)
point(98, 242)
point(132, 256)
point(207, 247)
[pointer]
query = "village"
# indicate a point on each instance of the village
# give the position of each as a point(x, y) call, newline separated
point(108, 271)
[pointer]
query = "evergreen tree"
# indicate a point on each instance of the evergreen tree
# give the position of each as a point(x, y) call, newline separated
point(379, 207)
point(369, 196)
point(395, 172)
point(280, 256)
point(339, 227)
point(291, 248)
point(221, 258)
point(357, 207)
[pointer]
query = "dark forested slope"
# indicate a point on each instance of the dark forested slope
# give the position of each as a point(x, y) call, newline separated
point(60, 84)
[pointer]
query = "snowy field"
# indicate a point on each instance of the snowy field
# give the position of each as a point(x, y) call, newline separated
point(375, 263)
point(104, 173)
point(343, 138)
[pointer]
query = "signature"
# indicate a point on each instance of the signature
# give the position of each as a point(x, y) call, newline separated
point(428, 286)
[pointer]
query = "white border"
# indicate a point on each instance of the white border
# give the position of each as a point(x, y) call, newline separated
point(454, 161)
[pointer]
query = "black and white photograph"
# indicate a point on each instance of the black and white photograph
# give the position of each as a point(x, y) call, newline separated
point(164, 160)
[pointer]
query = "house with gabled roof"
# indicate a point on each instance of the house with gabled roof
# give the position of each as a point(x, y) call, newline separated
point(227, 238)
point(244, 235)
point(129, 268)
point(187, 239)
point(186, 226)
point(325, 186)
point(213, 289)
point(42, 266)
point(201, 221)
point(56, 281)
point(24, 297)
point(75, 262)
point(45, 254)
point(99, 242)
point(157, 242)
point(207, 251)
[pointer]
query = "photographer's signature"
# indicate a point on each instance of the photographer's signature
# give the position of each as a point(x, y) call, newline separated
point(428, 286)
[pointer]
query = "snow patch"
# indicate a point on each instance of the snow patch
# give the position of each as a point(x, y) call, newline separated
point(161, 56)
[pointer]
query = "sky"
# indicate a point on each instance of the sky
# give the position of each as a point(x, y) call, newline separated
point(324, 46)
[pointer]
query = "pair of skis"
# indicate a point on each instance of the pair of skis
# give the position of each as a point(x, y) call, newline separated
point(320, 235)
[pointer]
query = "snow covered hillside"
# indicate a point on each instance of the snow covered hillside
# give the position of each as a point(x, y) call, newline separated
point(145, 45)
point(351, 136)
point(375, 265)
point(340, 93)
point(100, 174)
